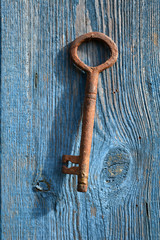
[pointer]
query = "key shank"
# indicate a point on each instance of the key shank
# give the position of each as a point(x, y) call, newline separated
point(87, 129)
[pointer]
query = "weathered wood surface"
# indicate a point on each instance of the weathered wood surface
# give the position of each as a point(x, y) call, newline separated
point(41, 110)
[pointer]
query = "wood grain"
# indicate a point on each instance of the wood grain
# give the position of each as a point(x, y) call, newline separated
point(42, 95)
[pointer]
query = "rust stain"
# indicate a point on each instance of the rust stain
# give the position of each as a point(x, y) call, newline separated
point(155, 39)
point(89, 106)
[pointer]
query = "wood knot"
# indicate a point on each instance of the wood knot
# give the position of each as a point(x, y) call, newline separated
point(115, 166)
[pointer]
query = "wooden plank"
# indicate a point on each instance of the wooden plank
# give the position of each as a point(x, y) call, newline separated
point(42, 95)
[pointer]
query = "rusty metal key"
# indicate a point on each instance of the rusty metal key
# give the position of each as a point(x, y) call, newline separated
point(89, 106)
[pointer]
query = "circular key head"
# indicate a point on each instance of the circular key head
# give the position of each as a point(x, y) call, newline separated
point(94, 36)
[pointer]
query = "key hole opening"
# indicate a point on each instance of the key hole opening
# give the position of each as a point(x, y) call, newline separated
point(94, 52)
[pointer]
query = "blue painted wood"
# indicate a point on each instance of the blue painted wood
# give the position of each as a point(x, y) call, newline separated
point(41, 110)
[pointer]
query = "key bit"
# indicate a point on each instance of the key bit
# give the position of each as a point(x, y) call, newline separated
point(89, 106)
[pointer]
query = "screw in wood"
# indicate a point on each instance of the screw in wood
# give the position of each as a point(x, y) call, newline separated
point(89, 106)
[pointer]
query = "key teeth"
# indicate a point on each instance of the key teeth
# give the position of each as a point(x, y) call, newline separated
point(71, 170)
point(70, 158)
